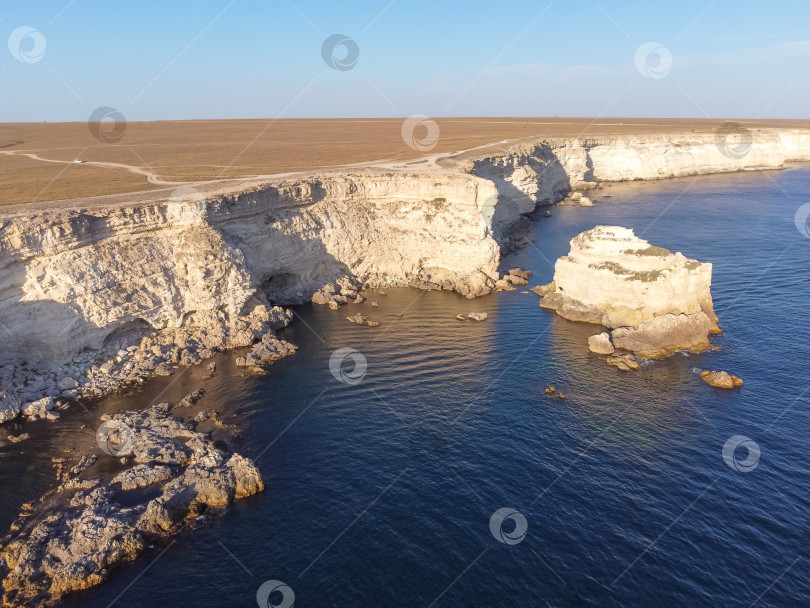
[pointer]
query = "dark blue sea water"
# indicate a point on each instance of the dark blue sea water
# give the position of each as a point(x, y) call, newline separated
point(380, 493)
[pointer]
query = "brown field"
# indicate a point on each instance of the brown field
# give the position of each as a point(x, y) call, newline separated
point(197, 150)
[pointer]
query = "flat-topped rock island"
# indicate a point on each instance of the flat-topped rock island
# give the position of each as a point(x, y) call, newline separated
point(653, 301)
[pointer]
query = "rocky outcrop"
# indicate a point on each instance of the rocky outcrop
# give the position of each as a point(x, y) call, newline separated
point(269, 349)
point(542, 290)
point(10, 406)
point(654, 301)
point(721, 379)
point(601, 344)
point(98, 520)
point(340, 292)
point(130, 359)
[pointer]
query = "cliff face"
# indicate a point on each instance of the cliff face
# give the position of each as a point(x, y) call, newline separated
point(100, 276)
point(655, 301)
point(542, 172)
point(71, 279)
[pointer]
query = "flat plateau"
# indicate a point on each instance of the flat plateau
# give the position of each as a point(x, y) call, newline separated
point(153, 158)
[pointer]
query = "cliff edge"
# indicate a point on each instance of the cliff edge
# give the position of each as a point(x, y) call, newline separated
point(85, 282)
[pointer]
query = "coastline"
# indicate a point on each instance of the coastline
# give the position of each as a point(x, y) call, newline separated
point(176, 276)
point(505, 233)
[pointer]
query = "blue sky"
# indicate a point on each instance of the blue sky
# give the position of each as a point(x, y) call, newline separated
point(260, 59)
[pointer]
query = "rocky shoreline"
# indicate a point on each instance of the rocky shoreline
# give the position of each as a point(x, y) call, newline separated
point(95, 294)
point(132, 359)
point(156, 471)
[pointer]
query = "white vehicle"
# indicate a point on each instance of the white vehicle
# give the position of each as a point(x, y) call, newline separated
point(79, 161)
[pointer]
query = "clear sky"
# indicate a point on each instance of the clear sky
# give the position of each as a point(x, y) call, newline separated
point(259, 59)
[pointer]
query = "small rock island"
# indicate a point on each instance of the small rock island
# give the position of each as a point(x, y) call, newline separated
point(652, 301)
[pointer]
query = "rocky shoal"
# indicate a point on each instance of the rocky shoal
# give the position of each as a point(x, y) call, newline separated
point(155, 473)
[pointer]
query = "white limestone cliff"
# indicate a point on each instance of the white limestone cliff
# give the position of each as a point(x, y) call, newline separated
point(71, 279)
point(654, 301)
point(541, 172)
point(94, 275)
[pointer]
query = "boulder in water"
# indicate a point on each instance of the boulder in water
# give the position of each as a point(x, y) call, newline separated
point(601, 344)
point(721, 379)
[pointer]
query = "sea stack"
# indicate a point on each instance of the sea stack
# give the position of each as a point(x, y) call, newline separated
point(653, 301)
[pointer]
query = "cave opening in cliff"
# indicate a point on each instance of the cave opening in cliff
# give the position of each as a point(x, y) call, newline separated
point(283, 288)
point(127, 334)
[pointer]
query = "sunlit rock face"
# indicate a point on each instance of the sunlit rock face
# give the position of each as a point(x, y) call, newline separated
point(654, 301)
point(70, 278)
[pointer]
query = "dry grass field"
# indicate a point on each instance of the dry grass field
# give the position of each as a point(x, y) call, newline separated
point(196, 150)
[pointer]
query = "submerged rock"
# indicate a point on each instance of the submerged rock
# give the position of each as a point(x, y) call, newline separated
point(721, 379)
point(654, 301)
point(192, 398)
point(518, 272)
point(514, 278)
point(625, 362)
